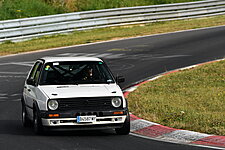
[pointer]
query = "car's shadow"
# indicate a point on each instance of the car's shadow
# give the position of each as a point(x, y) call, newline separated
point(14, 127)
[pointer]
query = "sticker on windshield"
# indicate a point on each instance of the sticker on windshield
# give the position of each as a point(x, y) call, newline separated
point(100, 63)
point(47, 67)
point(55, 64)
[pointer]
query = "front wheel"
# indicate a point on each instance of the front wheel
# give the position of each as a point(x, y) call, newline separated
point(38, 128)
point(125, 130)
point(25, 120)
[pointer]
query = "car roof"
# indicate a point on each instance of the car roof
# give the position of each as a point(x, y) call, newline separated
point(58, 59)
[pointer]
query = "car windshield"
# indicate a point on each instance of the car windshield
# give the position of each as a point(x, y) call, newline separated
point(76, 72)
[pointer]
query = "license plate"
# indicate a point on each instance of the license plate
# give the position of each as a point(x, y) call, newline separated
point(86, 119)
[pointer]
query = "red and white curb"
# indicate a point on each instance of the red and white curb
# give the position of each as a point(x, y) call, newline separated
point(153, 130)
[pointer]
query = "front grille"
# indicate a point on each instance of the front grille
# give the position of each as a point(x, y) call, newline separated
point(87, 103)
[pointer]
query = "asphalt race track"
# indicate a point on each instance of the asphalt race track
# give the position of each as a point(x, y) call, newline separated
point(136, 59)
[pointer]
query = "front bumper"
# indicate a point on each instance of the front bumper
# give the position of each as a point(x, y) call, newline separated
point(106, 120)
point(69, 118)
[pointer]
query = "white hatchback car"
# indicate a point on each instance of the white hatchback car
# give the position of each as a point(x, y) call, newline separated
point(78, 92)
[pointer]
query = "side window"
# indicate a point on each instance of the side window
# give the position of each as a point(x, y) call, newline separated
point(35, 73)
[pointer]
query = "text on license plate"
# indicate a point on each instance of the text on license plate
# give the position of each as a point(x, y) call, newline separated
point(86, 118)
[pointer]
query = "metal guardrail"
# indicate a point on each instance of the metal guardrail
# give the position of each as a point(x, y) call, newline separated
point(28, 28)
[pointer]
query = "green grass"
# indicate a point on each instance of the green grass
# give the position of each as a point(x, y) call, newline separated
point(14, 9)
point(89, 36)
point(103, 4)
point(192, 99)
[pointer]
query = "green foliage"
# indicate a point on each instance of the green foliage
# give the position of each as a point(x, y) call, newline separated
point(105, 4)
point(13, 9)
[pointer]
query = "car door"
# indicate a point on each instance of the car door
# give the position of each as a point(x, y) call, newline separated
point(31, 85)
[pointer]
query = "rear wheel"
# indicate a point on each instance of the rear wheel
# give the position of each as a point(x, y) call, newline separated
point(125, 130)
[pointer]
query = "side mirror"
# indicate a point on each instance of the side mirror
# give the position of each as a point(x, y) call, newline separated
point(120, 79)
point(31, 82)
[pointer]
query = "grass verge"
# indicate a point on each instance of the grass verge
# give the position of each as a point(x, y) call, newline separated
point(82, 37)
point(191, 99)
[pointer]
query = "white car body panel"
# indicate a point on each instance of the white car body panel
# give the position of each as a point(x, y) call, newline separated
point(73, 91)
point(58, 59)
point(85, 90)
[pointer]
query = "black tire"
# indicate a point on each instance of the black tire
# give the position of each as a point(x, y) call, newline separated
point(25, 120)
point(38, 127)
point(125, 130)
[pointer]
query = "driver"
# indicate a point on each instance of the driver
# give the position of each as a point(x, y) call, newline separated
point(88, 74)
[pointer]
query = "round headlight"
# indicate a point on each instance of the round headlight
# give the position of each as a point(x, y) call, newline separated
point(116, 102)
point(53, 104)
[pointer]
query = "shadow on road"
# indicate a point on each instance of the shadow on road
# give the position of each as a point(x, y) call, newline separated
point(14, 127)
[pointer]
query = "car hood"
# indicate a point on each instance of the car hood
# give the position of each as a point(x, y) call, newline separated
point(69, 91)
